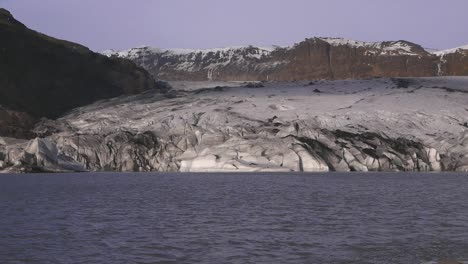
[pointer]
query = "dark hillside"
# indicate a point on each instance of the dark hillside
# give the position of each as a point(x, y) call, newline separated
point(46, 77)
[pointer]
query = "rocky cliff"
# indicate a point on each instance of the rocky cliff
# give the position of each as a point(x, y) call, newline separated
point(453, 61)
point(41, 76)
point(315, 58)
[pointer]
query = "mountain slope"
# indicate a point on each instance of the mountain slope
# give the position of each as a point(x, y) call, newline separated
point(45, 77)
point(453, 61)
point(315, 58)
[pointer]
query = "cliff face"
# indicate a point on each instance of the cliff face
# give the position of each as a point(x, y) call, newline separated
point(45, 77)
point(242, 63)
point(455, 63)
point(339, 59)
point(316, 58)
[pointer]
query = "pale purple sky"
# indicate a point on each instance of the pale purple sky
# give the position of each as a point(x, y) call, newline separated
point(122, 24)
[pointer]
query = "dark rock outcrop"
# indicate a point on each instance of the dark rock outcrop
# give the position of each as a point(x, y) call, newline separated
point(45, 77)
point(16, 124)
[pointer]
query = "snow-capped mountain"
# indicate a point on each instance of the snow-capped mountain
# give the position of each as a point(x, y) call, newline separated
point(198, 64)
point(315, 58)
point(386, 48)
point(451, 51)
point(452, 61)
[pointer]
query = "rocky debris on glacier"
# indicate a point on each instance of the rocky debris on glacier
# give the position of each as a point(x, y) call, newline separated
point(352, 125)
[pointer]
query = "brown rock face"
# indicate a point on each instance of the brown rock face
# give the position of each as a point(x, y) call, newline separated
point(315, 58)
point(455, 64)
point(318, 59)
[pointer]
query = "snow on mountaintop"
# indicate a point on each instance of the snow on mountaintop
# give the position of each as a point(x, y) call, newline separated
point(108, 52)
point(132, 53)
point(251, 51)
point(387, 48)
point(189, 60)
point(448, 51)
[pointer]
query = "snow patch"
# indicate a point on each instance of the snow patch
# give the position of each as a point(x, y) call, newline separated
point(196, 59)
point(449, 51)
point(389, 48)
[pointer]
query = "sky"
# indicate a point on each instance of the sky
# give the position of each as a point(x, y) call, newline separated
point(123, 24)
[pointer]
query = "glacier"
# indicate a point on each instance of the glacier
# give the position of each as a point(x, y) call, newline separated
point(379, 124)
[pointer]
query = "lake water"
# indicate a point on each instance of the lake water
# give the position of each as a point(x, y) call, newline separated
point(233, 218)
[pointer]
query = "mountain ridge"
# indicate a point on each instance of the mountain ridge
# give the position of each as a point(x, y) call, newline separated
point(331, 40)
point(312, 58)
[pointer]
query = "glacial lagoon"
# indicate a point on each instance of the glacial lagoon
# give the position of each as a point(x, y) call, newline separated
point(234, 218)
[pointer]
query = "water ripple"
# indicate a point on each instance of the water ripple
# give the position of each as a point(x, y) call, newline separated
point(233, 218)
